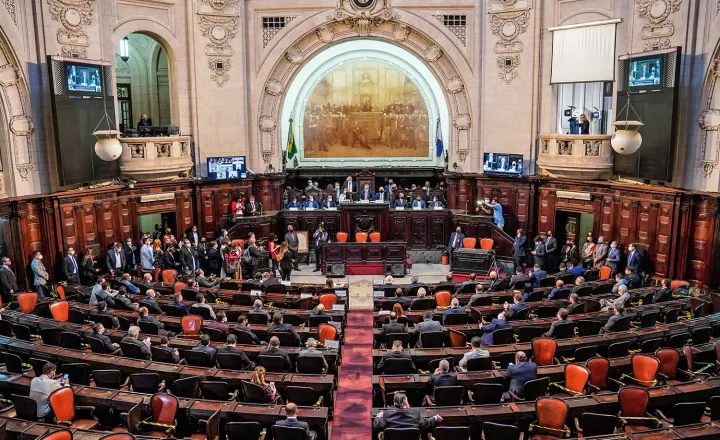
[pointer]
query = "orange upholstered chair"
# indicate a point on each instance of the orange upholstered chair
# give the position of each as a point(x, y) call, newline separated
point(164, 408)
point(178, 287)
point(63, 434)
point(487, 243)
point(457, 339)
point(551, 414)
point(191, 325)
point(238, 242)
point(633, 406)
point(677, 283)
point(342, 237)
point(469, 243)
point(605, 272)
point(669, 358)
point(576, 380)
point(326, 332)
point(27, 302)
point(61, 292)
point(118, 436)
point(544, 351)
point(62, 403)
point(375, 237)
point(361, 237)
point(644, 371)
point(60, 311)
point(168, 276)
point(327, 300)
point(599, 368)
point(442, 299)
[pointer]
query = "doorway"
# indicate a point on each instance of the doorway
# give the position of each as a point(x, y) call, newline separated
point(164, 219)
point(572, 225)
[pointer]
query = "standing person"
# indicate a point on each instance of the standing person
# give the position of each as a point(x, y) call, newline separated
point(613, 259)
point(146, 256)
point(551, 251)
point(40, 275)
point(194, 236)
point(291, 239)
point(600, 253)
point(188, 262)
point(89, 271)
point(8, 282)
point(115, 259)
point(539, 252)
point(588, 249)
point(255, 253)
point(158, 256)
point(273, 250)
point(202, 252)
point(635, 260)
point(233, 262)
point(285, 261)
point(214, 259)
point(519, 249)
point(456, 242)
point(130, 259)
point(224, 238)
point(584, 124)
point(253, 207)
point(70, 267)
point(320, 237)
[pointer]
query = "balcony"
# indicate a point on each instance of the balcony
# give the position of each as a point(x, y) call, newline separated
point(155, 158)
point(588, 157)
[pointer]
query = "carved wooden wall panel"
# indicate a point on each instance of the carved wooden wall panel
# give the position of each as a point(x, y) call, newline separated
point(438, 232)
point(701, 237)
point(419, 232)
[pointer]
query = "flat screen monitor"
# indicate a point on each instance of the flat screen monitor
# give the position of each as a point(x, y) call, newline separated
point(224, 168)
point(505, 164)
point(646, 72)
point(83, 79)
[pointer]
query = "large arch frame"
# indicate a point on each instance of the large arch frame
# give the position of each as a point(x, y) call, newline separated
point(398, 27)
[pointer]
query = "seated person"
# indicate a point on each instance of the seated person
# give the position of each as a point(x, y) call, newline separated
point(519, 279)
point(203, 281)
point(294, 203)
point(231, 348)
point(311, 351)
point(165, 346)
point(178, 302)
point(498, 323)
point(441, 377)
point(575, 270)
point(271, 393)
point(562, 272)
point(414, 282)
point(455, 308)
point(279, 326)
point(242, 325)
point(518, 374)
point(151, 303)
point(329, 203)
point(381, 195)
point(311, 203)
point(665, 293)
point(102, 294)
point(634, 280)
point(273, 349)
point(448, 283)
point(494, 281)
point(559, 286)
point(220, 323)
point(146, 317)
point(257, 309)
point(428, 324)
point(311, 186)
point(579, 281)
point(291, 421)
point(518, 304)
point(620, 280)
point(561, 316)
point(366, 193)
point(132, 288)
point(401, 202)
point(99, 333)
point(537, 275)
point(421, 293)
point(147, 280)
point(479, 293)
point(436, 204)
point(623, 300)
point(419, 203)
point(103, 311)
point(395, 353)
point(475, 353)
point(574, 302)
point(132, 338)
point(267, 281)
point(402, 416)
point(318, 311)
point(201, 303)
point(610, 324)
point(205, 347)
point(392, 327)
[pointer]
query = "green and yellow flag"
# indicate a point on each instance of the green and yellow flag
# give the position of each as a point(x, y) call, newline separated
point(291, 147)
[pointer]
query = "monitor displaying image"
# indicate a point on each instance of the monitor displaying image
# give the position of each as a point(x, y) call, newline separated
point(83, 79)
point(645, 72)
point(510, 164)
point(223, 168)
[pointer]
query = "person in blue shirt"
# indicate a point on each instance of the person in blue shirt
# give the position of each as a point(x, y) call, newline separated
point(575, 270)
point(518, 304)
point(329, 203)
point(178, 302)
point(294, 203)
point(537, 275)
point(129, 285)
point(620, 280)
point(419, 203)
point(497, 213)
point(559, 286)
point(455, 308)
point(311, 203)
point(498, 323)
point(146, 255)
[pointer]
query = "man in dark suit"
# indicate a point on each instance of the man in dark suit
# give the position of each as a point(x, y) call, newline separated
point(396, 353)
point(494, 281)
point(329, 203)
point(574, 303)
point(367, 193)
point(401, 202)
point(203, 281)
point(292, 422)
point(519, 249)
point(273, 349)
point(428, 324)
point(447, 283)
point(70, 267)
point(280, 327)
point(132, 338)
point(610, 324)
point(455, 309)
point(258, 310)
point(537, 275)
point(145, 316)
point(253, 207)
point(634, 259)
point(402, 416)
point(311, 351)
point(165, 346)
point(151, 303)
point(349, 185)
point(413, 282)
point(268, 281)
point(231, 348)
point(479, 293)
point(456, 242)
point(392, 327)
point(665, 293)
point(539, 252)
point(614, 258)
point(440, 378)
point(115, 259)
point(519, 279)
point(291, 239)
point(98, 333)
point(205, 347)
point(634, 280)
point(552, 251)
point(103, 311)
point(193, 235)
point(563, 271)
point(562, 316)
point(498, 323)
point(242, 326)
point(518, 374)
point(188, 260)
point(8, 282)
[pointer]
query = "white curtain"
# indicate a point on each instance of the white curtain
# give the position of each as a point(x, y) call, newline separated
point(583, 53)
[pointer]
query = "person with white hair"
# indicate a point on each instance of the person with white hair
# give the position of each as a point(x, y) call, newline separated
point(258, 310)
point(402, 416)
point(132, 337)
point(311, 351)
point(455, 308)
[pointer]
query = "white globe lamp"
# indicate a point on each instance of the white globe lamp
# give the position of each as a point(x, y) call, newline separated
point(626, 140)
point(108, 147)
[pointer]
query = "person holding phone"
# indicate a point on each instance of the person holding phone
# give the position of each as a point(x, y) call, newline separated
point(41, 388)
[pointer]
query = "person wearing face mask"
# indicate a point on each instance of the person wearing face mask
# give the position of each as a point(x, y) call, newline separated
point(8, 282)
point(635, 260)
point(338, 191)
point(456, 242)
point(419, 203)
point(40, 275)
point(380, 195)
point(115, 259)
point(329, 203)
point(194, 236)
point(291, 239)
point(401, 202)
point(70, 267)
point(519, 249)
point(130, 249)
point(587, 252)
point(144, 121)
point(614, 257)
point(600, 253)
point(436, 204)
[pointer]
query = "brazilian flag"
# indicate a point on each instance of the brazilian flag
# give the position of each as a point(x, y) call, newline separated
point(291, 147)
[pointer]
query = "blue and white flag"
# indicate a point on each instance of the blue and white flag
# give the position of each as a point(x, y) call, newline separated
point(439, 148)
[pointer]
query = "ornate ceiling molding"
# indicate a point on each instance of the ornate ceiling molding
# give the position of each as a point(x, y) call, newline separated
point(74, 15)
point(219, 27)
point(363, 15)
point(508, 20)
point(710, 123)
point(658, 29)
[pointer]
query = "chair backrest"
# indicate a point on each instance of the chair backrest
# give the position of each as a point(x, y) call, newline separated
point(483, 300)
point(168, 276)
point(60, 311)
point(527, 333)
point(498, 431)
point(650, 346)
point(598, 424)
point(701, 335)
point(341, 237)
point(622, 324)
point(164, 407)
point(216, 390)
point(216, 335)
point(521, 315)
point(198, 358)
point(503, 336)
point(677, 340)
point(536, 388)
point(188, 387)
point(714, 405)
point(253, 393)
point(96, 345)
point(457, 339)
point(63, 434)
point(61, 292)
point(564, 330)
point(22, 332)
point(149, 328)
point(25, 407)
point(144, 382)
point(703, 310)
point(309, 365)
point(276, 288)
point(479, 364)
point(568, 278)
point(487, 244)
point(191, 325)
point(401, 434)
point(423, 304)
point(645, 368)
point(303, 396)
point(586, 352)
point(361, 237)
point(398, 366)
point(111, 379)
point(551, 413)
point(544, 351)
point(584, 291)
point(599, 369)
point(432, 339)
point(315, 321)
point(51, 336)
point(243, 337)
point(442, 299)
point(229, 361)
point(286, 338)
point(605, 272)
point(402, 337)
point(633, 401)
point(327, 300)
point(668, 358)
point(375, 237)
point(243, 430)
point(275, 364)
point(449, 396)
point(132, 350)
point(106, 321)
point(487, 393)
point(6, 328)
point(27, 302)
point(469, 242)
point(70, 340)
point(671, 315)
point(451, 433)
point(62, 403)
point(688, 413)
point(37, 365)
point(178, 287)
point(648, 318)
point(591, 305)
point(548, 281)
point(536, 296)
point(201, 312)
point(78, 373)
point(576, 377)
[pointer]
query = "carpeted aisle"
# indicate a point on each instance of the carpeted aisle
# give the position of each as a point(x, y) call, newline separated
point(354, 395)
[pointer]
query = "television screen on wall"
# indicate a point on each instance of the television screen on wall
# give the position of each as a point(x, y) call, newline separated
point(82, 78)
point(503, 164)
point(645, 72)
point(225, 168)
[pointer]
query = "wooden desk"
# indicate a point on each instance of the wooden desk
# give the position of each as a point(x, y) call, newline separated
point(365, 258)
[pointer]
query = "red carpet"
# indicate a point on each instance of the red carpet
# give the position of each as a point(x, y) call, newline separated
point(354, 395)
